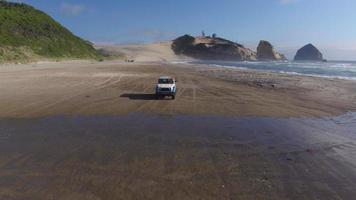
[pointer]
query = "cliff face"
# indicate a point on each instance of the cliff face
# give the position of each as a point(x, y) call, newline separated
point(265, 51)
point(308, 53)
point(209, 48)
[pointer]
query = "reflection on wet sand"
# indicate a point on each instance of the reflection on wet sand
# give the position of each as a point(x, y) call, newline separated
point(177, 157)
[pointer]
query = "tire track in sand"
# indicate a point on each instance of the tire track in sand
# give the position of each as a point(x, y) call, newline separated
point(105, 83)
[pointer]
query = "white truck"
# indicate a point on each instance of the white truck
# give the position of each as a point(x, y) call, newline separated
point(166, 86)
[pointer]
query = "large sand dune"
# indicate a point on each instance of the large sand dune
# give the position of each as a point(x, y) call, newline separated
point(144, 52)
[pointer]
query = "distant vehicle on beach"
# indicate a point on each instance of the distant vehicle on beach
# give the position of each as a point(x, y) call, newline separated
point(166, 86)
point(130, 60)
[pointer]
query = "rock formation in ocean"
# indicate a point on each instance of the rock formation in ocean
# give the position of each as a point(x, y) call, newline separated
point(265, 51)
point(309, 53)
point(211, 48)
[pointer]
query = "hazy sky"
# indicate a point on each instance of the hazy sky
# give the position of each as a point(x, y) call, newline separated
point(287, 24)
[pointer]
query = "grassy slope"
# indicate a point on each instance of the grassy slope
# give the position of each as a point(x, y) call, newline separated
point(27, 34)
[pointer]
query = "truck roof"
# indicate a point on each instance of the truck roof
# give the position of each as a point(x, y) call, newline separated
point(165, 77)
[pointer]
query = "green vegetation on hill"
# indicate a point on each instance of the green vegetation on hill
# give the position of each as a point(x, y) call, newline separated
point(28, 34)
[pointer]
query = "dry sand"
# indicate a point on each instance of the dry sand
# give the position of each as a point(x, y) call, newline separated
point(83, 88)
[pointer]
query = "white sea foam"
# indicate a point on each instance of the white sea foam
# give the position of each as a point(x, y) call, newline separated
point(179, 62)
point(320, 76)
point(339, 70)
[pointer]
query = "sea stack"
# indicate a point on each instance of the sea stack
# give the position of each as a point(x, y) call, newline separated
point(308, 53)
point(265, 51)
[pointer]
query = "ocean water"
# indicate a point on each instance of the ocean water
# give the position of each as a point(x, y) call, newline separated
point(330, 69)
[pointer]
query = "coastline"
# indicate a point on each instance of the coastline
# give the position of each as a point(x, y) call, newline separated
point(289, 67)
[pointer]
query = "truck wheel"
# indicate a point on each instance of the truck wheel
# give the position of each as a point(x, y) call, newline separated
point(173, 96)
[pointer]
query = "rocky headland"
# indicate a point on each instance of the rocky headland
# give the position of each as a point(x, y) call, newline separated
point(211, 48)
point(216, 48)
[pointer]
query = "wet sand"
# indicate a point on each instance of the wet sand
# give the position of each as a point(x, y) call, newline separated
point(94, 131)
point(177, 157)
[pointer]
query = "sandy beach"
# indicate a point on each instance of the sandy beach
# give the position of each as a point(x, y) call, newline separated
point(84, 88)
point(93, 130)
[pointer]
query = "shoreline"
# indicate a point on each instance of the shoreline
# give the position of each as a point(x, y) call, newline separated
point(197, 62)
point(190, 62)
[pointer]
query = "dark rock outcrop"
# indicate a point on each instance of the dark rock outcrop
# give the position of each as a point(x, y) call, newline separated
point(183, 45)
point(265, 51)
point(209, 48)
point(309, 53)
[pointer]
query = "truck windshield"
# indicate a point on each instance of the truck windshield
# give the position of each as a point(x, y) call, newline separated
point(165, 81)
